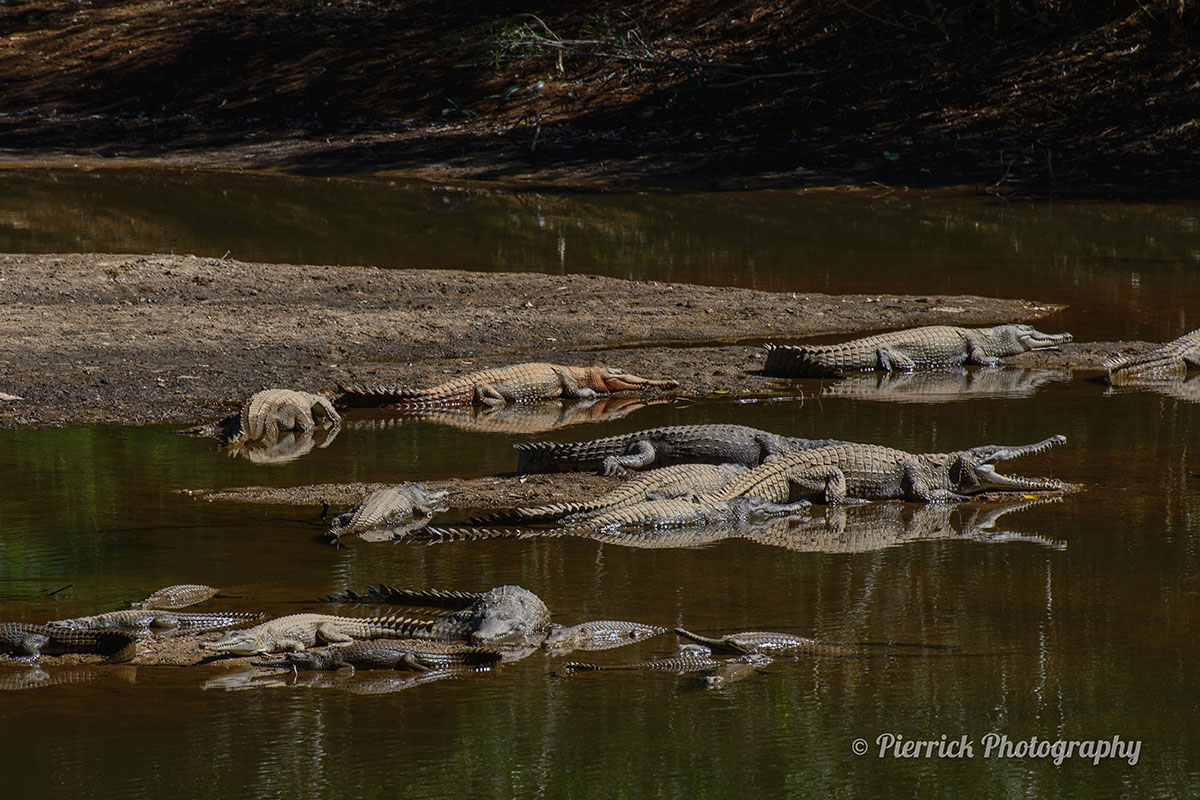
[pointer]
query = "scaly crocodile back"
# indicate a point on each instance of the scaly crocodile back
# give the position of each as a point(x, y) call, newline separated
point(390, 595)
point(388, 506)
point(271, 410)
point(180, 595)
point(519, 383)
point(769, 643)
point(932, 346)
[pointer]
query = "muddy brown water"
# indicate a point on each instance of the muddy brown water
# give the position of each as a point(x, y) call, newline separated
point(1091, 638)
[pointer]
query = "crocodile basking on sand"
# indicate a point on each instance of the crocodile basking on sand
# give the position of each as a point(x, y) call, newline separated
point(301, 631)
point(388, 508)
point(145, 621)
point(871, 472)
point(931, 347)
point(508, 616)
point(520, 383)
point(1170, 360)
point(24, 639)
point(674, 444)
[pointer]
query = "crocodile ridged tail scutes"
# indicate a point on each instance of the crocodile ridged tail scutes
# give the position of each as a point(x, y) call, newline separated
point(1170, 360)
point(519, 383)
point(390, 595)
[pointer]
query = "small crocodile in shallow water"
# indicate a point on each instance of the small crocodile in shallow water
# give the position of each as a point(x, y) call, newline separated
point(1170, 360)
point(916, 348)
point(520, 383)
point(675, 444)
point(604, 634)
point(418, 655)
point(769, 643)
point(181, 595)
point(506, 615)
point(143, 621)
point(387, 508)
point(270, 411)
point(870, 472)
point(681, 480)
point(24, 639)
point(301, 631)
point(687, 659)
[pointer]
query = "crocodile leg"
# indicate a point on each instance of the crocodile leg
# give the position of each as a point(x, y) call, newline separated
point(915, 486)
point(978, 356)
point(331, 633)
point(490, 396)
point(890, 359)
point(825, 484)
point(640, 455)
point(570, 388)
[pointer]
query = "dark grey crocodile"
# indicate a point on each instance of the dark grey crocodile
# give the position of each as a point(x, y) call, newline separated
point(388, 508)
point(916, 348)
point(870, 472)
point(769, 643)
point(181, 595)
point(508, 616)
point(1170, 360)
point(664, 483)
point(418, 655)
point(24, 639)
point(144, 621)
point(675, 444)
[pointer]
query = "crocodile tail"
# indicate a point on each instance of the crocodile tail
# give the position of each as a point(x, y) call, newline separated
point(391, 595)
point(1161, 363)
point(432, 535)
point(363, 396)
point(578, 666)
point(790, 361)
point(125, 647)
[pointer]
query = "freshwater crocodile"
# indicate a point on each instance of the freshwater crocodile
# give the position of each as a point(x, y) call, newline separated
point(180, 595)
point(598, 635)
point(687, 659)
point(144, 621)
point(769, 643)
point(915, 348)
point(1170, 360)
point(410, 655)
point(674, 444)
point(519, 383)
point(270, 411)
point(387, 508)
point(506, 615)
point(301, 631)
point(664, 483)
point(871, 472)
point(24, 639)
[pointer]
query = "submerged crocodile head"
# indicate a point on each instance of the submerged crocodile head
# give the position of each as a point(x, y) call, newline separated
point(510, 615)
point(1019, 338)
point(974, 470)
point(610, 379)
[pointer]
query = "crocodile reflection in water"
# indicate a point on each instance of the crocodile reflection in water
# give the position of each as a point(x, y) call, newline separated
point(289, 446)
point(519, 418)
point(1185, 389)
point(858, 528)
point(942, 386)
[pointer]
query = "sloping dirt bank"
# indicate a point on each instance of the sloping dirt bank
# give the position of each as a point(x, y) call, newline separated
point(90, 338)
point(1040, 96)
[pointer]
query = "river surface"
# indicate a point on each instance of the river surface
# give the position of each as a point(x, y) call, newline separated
point(1073, 620)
